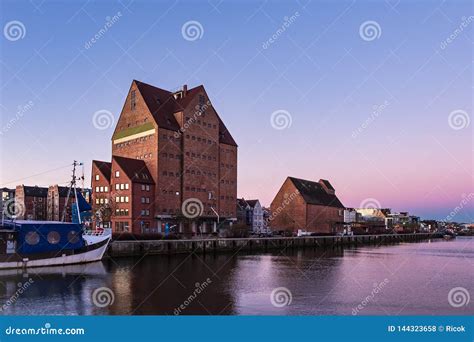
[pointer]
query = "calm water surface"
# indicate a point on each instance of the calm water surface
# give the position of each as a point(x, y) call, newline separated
point(402, 279)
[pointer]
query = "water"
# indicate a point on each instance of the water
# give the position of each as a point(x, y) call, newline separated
point(402, 279)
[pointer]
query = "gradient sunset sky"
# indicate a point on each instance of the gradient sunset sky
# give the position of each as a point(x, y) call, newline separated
point(384, 113)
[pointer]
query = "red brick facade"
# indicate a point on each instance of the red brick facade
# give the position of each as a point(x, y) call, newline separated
point(31, 203)
point(188, 152)
point(306, 205)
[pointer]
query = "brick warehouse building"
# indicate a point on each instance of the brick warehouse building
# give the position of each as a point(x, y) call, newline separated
point(187, 151)
point(307, 205)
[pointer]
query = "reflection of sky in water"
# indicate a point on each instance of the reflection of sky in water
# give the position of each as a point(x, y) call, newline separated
point(416, 280)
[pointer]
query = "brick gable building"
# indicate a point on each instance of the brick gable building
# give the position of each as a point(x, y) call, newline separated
point(187, 151)
point(307, 205)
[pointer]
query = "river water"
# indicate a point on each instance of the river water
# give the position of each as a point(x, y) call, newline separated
point(427, 278)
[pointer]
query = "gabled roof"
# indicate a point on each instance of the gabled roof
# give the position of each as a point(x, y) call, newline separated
point(327, 184)
point(242, 202)
point(104, 167)
point(314, 193)
point(35, 191)
point(162, 105)
point(252, 203)
point(135, 169)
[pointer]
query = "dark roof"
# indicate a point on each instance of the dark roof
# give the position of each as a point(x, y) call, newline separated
point(314, 193)
point(62, 190)
point(35, 191)
point(104, 167)
point(252, 203)
point(327, 184)
point(162, 105)
point(241, 202)
point(135, 169)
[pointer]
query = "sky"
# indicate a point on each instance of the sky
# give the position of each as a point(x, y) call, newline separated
point(375, 96)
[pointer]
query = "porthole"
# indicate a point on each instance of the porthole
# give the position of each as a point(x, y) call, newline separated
point(32, 238)
point(53, 237)
point(73, 237)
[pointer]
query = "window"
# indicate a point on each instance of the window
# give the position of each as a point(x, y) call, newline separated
point(96, 189)
point(117, 174)
point(147, 187)
point(126, 199)
point(143, 187)
point(106, 188)
point(32, 238)
point(96, 177)
point(143, 199)
point(106, 201)
point(126, 186)
point(133, 100)
point(122, 186)
point(122, 199)
point(117, 186)
point(53, 237)
point(96, 201)
point(101, 189)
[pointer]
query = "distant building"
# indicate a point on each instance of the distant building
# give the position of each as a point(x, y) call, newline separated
point(307, 205)
point(7, 202)
point(31, 202)
point(250, 212)
point(56, 202)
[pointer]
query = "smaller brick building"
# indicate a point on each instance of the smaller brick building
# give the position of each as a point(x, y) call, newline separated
point(307, 205)
point(31, 202)
point(57, 196)
point(124, 194)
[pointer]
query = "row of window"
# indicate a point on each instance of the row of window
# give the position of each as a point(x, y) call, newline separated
point(121, 186)
point(122, 226)
point(199, 172)
point(199, 139)
point(101, 200)
point(201, 156)
point(53, 237)
point(145, 212)
point(170, 155)
point(228, 166)
point(121, 199)
point(134, 141)
point(226, 181)
point(170, 137)
point(101, 189)
point(121, 212)
point(145, 187)
point(204, 123)
point(145, 200)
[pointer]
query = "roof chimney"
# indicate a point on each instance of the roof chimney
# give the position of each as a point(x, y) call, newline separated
point(185, 89)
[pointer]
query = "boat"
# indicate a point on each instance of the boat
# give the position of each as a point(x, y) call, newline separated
point(26, 243)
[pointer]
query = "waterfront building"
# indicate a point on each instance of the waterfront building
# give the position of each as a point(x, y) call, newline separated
point(30, 202)
point(307, 205)
point(56, 202)
point(250, 213)
point(188, 153)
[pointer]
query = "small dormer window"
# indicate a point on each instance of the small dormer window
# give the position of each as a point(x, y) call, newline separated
point(117, 174)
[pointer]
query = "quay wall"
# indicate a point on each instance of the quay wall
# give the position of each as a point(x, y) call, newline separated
point(139, 248)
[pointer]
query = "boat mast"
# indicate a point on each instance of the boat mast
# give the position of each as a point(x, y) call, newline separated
point(72, 187)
